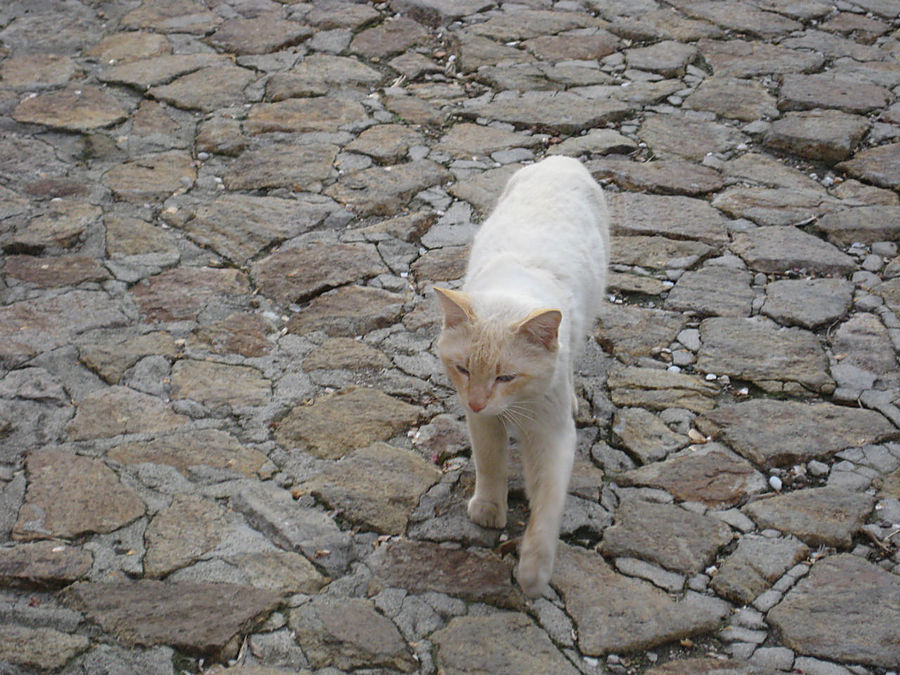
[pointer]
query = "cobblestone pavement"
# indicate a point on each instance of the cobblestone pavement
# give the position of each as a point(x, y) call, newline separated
point(225, 443)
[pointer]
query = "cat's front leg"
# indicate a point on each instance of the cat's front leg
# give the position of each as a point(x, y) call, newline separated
point(487, 507)
point(547, 459)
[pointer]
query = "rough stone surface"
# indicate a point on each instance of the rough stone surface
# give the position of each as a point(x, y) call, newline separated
point(844, 610)
point(181, 533)
point(755, 565)
point(718, 291)
point(72, 109)
point(877, 165)
point(807, 302)
point(866, 224)
point(43, 563)
point(794, 432)
point(827, 135)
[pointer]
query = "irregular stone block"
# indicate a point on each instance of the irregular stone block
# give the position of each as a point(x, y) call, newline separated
point(755, 565)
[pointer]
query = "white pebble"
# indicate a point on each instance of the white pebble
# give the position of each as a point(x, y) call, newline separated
point(711, 376)
point(775, 482)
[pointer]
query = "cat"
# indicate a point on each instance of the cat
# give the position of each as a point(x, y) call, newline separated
point(534, 284)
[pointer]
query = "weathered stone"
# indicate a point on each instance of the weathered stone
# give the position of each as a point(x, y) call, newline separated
point(54, 272)
point(386, 142)
point(794, 432)
point(207, 89)
point(30, 327)
point(202, 619)
point(635, 283)
point(664, 176)
point(423, 567)
point(173, 16)
point(292, 527)
point(476, 51)
point(565, 112)
point(386, 190)
point(741, 17)
point(130, 46)
point(756, 168)
point(783, 247)
point(819, 516)
point(220, 134)
point(827, 135)
point(375, 487)
point(742, 58)
point(807, 302)
point(744, 100)
point(594, 142)
point(317, 72)
point(570, 46)
point(466, 139)
point(62, 226)
point(618, 614)
point(676, 217)
point(298, 167)
point(111, 359)
point(879, 165)
point(283, 572)
point(660, 389)
point(833, 46)
point(297, 274)
point(496, 642)
point(194, 451)
point(348, 633)
point(238, 333)
point(395, 35)
point(844, 610)
point(259, 35)
point(758, 350)
point(775, 206)
point(36, 71)
point(519, 24)
point(69, 495)
point(867, 224)
point(297, 115)
point(182, 292)
point(483, 189)
point(804, 92)
point(680, 137)
point(333, 426)
point(703, 666)
point(645, 435)
point(146, 73)
point(442, 264)
point(43, 563)
point(630, 332)
point(890, 291)
point(126, 236)
point(83, 109)
point(152, 177)
point(351, 310)
point(345, 354)
point(179, 534)
point(43, 648)
point(710, 474)
point(342, 15)
point(755, 565)
point(657, 252)
point(667, 58)
point(665, 534)
point(120, 410)
point(720, 291)
point(863, 343)
point(215, 384)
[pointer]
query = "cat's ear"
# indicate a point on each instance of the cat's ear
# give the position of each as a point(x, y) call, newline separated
point(541, 327)
point(457, 307)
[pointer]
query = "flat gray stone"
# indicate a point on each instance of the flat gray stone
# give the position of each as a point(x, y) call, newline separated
point(300, 115)
point(483, 189)
point(385, 191)
point(69, 496)
point(37, 71)
point(180, 293)
point(202, 619)
point(778, 206)
point(660, 389)
point(765, 170)
point(616, 614)
point(756, 564)
point(594, 142)
point(701, 666)
point(82, 109)
point(112, 411)
point(348, 633)
point(778, 249)
point(866, 224)
point(43, 564)
point(740, 17)
point(675, 217)
point(207, 89)
point(734, 98)
point(519, 24)
point(807, 302)
point(563, 111)
point(297, 167)
point(713, 290)
point(349, 311)
point(181, 533)
point(173, 16)
point(145, 73)
point(879, 165)
point(666, 535)
point(630, 332)
point(395, 35)
point(845, 610)
point(666, 176)
point(645, 435)
point(710, 474)
point(495, 643)
point(826, 135)
point(863, 343)
point(151, 178)
point(657, 252)
point(794, 432)
point(258, 35)
point(332, 425)
point(43, 648)
point(467, 139)
point(54, 272)
point(425, 567)
point(805, 92)
point(681, 137)
point(317, 72)
point(668, 58)
point(375, 487)
point(294, 275)
point(215, 384)
point(743, 58)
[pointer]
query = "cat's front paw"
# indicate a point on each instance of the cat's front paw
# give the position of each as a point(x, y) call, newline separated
point(533, 574)
point(487, 514)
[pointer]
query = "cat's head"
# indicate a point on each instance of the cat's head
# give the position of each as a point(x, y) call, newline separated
point(496, 359)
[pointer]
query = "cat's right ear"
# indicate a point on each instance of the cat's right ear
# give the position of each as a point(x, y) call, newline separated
point(457, 307)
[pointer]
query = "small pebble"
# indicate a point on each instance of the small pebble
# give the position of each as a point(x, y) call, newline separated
point(775, 482)
point(886, 249)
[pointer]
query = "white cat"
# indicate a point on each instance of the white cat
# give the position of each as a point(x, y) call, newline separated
point(533, 288)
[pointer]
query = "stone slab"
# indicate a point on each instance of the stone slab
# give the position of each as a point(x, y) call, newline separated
point(717, 291)
point(83, 109)
point(215, 384)
point(43, 564)
point(879, 165)
point(807, 302)
point(112, 411)
point(756, 564)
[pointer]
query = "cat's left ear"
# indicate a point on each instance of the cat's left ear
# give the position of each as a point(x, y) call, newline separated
point(541, 327)
point(456, 305)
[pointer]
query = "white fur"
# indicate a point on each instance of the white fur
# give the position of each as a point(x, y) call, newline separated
point(545, 246)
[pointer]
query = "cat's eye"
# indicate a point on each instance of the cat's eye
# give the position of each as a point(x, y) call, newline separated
point(506, 378)
point(462, 370)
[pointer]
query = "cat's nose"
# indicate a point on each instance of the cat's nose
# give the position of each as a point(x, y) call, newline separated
point(476, 406)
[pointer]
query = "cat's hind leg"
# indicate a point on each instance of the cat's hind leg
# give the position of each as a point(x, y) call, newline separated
point(547, 459)
point(487, 507)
